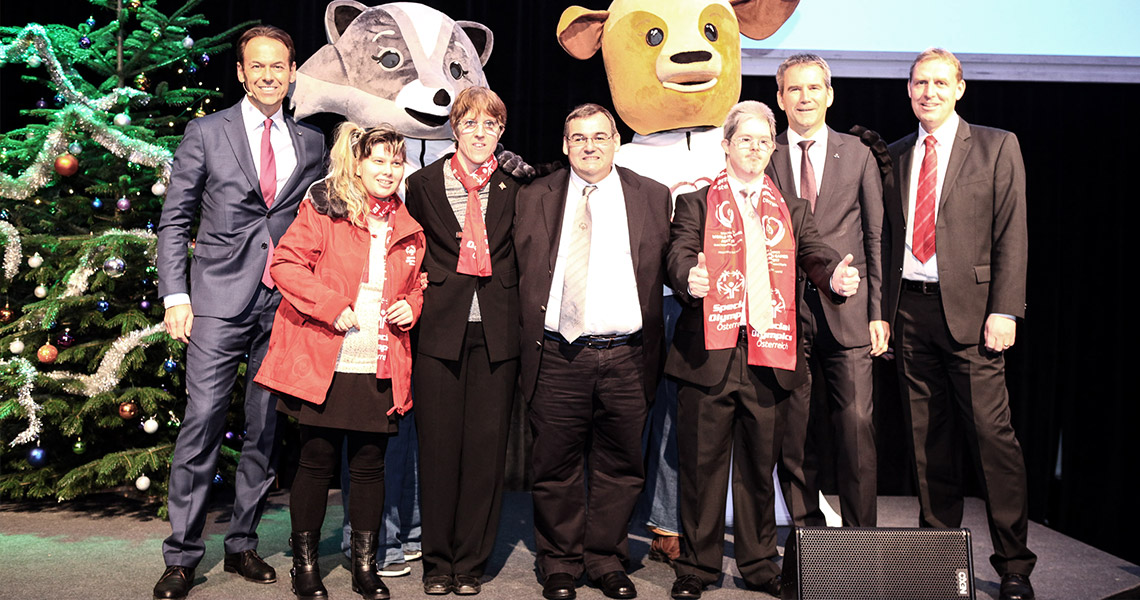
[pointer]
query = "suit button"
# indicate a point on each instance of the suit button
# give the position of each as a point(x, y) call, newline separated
point(538, 345)
point(542, 309)
point(268, 216)
point(264, 246)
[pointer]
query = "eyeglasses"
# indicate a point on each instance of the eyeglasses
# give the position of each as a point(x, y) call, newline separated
point(600, 140)
point(746, 142)
point(490, 126)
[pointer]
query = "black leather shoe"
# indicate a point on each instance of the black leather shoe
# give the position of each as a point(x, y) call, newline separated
point(616, 584)
point(1016, 587)
point(467, 585)
point(773, 586)
point(687, 587)
point(250, 566)
point(174, 584)
point(438, 585)
point(559, 586)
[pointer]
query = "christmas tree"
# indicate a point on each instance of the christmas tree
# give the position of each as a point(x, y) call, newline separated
point(90, 384)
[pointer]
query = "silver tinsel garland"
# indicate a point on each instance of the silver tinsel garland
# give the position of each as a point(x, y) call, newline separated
point(26, 375)
point(13, 252)
point(106, 377)
point(82, 112)
point(78, 279)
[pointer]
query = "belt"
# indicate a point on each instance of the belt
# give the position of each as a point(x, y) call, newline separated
point(923, 287)
point(598, 342)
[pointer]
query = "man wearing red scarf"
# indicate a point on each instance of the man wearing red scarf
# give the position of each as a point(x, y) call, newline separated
point(734, 249)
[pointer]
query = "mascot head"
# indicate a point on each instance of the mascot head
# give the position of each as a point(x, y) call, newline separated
point(401, 63)
point(671, 64)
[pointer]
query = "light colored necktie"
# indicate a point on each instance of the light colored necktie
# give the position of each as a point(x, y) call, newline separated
point(759, 281)
point(807, 175)
point(922, 243)
point(268, 181)
point(572, 317)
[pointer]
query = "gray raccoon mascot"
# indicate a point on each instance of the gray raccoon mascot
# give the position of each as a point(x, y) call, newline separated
point(401, 63)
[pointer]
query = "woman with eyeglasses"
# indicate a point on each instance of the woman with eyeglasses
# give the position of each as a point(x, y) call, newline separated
point(467, 355)
point(339, 356)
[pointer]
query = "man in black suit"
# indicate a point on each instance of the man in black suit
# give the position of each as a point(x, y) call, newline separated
point(241, 173)
point(956, 243)
point(591, 246)
point(736, 353)
point(839, 178)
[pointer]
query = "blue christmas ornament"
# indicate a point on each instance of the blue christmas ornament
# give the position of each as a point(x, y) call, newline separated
point(102, 305)
point(84, 42)
point(37, 456)
point(170, 365)
point(58, 99)
point(90, 21)
point(205, 58)
point(192, 69)
point(218, 479)
point(97, 203)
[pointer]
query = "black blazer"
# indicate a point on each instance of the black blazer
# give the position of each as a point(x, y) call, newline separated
point(538, 227)
point(447, 299)
point(981, 233)
point(849, 218)
point(688, 360)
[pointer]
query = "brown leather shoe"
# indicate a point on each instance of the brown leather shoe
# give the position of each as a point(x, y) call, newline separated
point(174, 584)
point(665, 548)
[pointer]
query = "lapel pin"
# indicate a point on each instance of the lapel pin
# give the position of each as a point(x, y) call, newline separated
point(836, 155)
point(502, 186)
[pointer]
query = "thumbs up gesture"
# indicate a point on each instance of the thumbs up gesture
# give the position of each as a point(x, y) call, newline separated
point(845, 279)
point(699, 278)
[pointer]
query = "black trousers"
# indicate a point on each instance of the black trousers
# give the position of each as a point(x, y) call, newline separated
point(739, 419)
point(845, 414)
point(320, 449)
point(587, 417)
point(463, 413)
point(955, 395)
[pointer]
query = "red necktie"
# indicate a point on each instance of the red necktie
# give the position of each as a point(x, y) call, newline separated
point(268, 181)
point(922, 243)
point(807, 175)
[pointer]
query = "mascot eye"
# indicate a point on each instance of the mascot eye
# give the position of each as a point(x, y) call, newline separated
point(389, 59)
point(710, 32)
point(457, 70)
point(655, 37)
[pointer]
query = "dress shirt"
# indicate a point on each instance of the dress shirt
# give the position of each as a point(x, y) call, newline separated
point(284, 157)
point(944, 136)
point(817, 154)
point(612, 304)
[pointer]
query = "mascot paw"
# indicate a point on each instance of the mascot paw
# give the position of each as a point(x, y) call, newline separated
point(514, 165)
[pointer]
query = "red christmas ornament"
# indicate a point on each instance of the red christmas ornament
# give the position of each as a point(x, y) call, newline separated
point(66, 165)
point(128, 410)
point(47, 353)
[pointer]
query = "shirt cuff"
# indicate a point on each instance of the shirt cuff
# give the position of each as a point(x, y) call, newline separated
point(175, 300)
point(1010, 317)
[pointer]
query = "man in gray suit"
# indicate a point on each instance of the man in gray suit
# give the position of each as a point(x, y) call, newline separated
point(839, 178)
point(244, 170)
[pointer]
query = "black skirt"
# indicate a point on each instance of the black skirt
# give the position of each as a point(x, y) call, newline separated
point(355, 401)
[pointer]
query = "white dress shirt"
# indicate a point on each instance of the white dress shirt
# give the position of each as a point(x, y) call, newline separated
point(817, 154)
point(914, 269)
point(612, 304)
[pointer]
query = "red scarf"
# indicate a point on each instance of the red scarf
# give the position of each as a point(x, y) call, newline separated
point(725, 307)
point(382, 207)
point(474, 251)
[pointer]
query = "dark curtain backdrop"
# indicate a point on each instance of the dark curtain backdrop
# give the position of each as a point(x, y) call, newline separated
point(1070, 372)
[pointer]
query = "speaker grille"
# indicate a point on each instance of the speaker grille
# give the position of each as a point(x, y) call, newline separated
point(883, 563)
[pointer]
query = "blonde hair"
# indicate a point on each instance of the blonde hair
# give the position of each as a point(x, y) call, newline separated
point(347, 198)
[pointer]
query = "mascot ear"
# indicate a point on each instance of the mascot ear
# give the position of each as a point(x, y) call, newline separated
point(580, 31)
point(339, 14)
point(481, 38)
point(761, 18)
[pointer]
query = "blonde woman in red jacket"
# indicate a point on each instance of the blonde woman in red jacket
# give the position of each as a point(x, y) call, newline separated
point(340, 355)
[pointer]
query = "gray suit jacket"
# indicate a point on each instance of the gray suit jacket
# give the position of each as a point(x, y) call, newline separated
point(849, 218)
point(981, 236)
point(214, 175)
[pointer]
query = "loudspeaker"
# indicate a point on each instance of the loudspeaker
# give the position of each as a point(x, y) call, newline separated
point(884, 563)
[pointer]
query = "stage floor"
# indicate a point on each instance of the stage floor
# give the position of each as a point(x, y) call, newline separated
point(109, 547)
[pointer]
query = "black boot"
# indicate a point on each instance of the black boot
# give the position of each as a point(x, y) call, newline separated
point(306, 573)
point(365, 580)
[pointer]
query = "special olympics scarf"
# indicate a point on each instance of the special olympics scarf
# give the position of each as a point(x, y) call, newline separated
point(725, 306)
point(474, 250)
point(382, 207)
